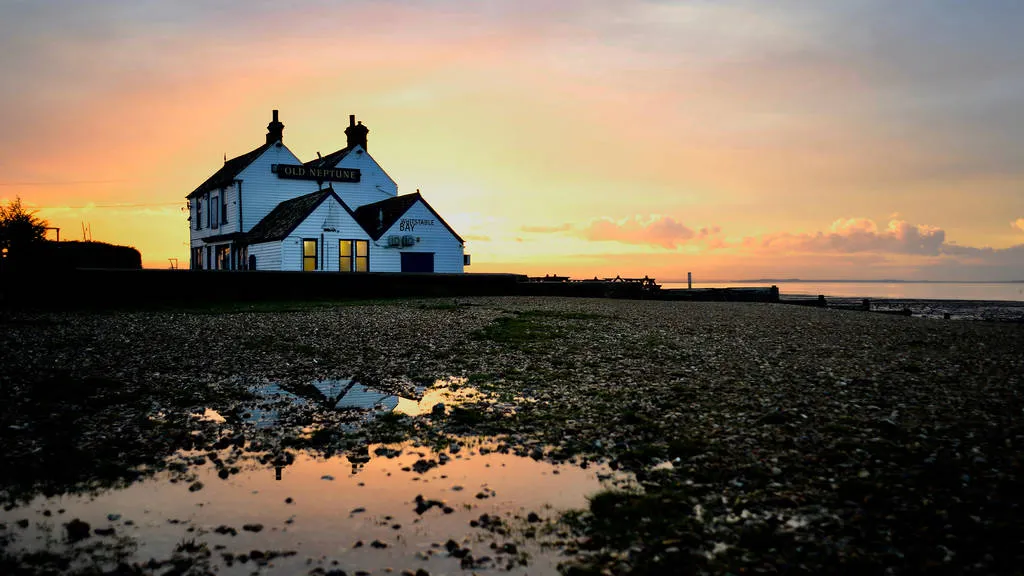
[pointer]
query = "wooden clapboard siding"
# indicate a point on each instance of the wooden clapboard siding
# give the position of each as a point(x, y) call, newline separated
point(262, 190)
point(268, 255)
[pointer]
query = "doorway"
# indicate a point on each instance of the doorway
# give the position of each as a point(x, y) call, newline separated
point(417, 261)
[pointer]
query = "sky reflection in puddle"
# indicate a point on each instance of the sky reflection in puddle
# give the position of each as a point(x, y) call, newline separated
point(331, 509)
point(346, 394)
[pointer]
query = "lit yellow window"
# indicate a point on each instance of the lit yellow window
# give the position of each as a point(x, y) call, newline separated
point(362, 255)
point(354, 256)
point(345, 256)
point(309, 255)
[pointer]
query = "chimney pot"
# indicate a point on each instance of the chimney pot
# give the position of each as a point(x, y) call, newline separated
point(356, 134)
point(275, 130)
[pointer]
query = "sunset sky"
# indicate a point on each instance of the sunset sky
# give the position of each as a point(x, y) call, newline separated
point(732, 139)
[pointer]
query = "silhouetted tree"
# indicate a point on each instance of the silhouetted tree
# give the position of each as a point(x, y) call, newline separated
point(20, 229)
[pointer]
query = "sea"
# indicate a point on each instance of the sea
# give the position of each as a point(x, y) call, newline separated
point(991, 301)
point(985, 291)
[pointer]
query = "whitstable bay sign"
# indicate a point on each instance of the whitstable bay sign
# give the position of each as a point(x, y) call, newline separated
point(300, 172)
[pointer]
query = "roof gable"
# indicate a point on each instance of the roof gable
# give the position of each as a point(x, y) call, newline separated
point(331, 160)
point(286, 216)
point(379, 217)
point(358, 156)
point(231, 168)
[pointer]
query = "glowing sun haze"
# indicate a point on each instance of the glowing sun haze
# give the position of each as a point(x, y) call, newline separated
point(733, 139)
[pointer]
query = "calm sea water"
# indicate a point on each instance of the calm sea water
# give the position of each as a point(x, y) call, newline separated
point(898, 290)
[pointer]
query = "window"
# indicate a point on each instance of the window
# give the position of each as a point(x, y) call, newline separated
point(223, 258)
point(354, 255)
point(362, 255)
point(345, 256)
point(309, 255)
point(214, 212)
point(199, 214)
point(223, 207)
point(197, 258)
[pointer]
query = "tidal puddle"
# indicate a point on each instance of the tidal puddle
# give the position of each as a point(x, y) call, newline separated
point(473, 506)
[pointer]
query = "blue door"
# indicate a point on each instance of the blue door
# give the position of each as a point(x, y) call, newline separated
point(417, 261)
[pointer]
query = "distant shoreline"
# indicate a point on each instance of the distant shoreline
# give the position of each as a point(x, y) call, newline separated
point(839, 281)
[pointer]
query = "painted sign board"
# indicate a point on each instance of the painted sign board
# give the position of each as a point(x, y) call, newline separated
point(300, 172)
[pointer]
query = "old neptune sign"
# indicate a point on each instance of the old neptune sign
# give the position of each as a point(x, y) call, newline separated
point(300, 172)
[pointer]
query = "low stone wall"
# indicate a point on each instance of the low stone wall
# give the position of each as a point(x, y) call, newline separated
point(107, 287)
point(118, 287)
point(738, 294)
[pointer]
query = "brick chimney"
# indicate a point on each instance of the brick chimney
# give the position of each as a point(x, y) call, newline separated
point(275, 130)
point(356, 133)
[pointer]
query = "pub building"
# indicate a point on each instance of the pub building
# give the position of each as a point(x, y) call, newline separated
point(268, 210)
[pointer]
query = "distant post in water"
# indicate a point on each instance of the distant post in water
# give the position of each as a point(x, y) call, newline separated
point(689, 280)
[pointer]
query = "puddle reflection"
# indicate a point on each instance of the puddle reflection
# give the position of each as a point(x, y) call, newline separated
point(251, 503)
point(399, 509)
point(348, 395)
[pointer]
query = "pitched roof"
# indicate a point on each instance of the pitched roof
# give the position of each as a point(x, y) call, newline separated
point(287, 215)
point(331, 160)
point(379, 217)
point(376, 218)
point(226, 175)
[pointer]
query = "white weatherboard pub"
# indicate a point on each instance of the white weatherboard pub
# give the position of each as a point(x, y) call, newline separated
point(267, 210)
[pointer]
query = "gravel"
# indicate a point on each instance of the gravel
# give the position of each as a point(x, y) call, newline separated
point(765, 438)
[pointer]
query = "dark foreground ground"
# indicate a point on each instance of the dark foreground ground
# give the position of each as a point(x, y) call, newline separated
point(765, 438)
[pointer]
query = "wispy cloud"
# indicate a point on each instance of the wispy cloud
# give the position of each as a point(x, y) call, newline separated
point(547, 229)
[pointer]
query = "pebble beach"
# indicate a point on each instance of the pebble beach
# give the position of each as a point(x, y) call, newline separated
point(756, 438)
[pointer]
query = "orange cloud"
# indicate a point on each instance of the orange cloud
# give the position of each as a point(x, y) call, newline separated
point(1018, 224)
point(665, 231)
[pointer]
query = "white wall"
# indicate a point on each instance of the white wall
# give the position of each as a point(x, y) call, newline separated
point(262, 190)
point(268, 255)
point(374, 184)
point(231, 195)
point(430, 238)
point(329, 214)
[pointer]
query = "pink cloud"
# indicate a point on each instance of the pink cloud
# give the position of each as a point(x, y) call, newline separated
point(860, 235)
point(663, 231)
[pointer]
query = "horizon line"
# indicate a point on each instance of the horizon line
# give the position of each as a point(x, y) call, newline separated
point(841, 280)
